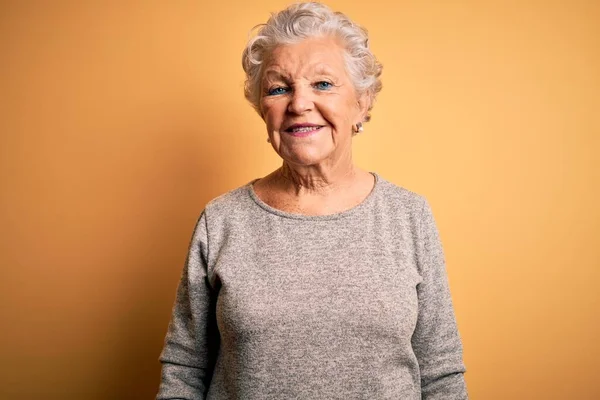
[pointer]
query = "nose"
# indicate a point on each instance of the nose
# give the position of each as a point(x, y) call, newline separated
point(301, 101)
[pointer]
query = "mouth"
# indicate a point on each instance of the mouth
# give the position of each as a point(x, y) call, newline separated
point(302, 130)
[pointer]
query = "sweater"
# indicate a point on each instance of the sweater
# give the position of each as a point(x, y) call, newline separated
point(277, 305)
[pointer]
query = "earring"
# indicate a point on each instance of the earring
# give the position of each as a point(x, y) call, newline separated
point(268, 140)
point(358, 128)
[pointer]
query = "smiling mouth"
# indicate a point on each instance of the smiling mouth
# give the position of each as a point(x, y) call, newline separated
point(303, 130)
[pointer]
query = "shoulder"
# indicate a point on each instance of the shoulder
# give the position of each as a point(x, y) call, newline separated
point(230, 213)
point(400, 198)
point(230, 202)
point(419, 215)
point(408, 208)
point(223, 216)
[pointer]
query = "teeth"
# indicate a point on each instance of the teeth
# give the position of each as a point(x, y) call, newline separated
point(305, 129)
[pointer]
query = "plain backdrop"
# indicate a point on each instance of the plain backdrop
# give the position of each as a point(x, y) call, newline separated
point(119, 120)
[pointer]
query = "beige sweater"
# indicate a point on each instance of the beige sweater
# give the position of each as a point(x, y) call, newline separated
point(273, 305)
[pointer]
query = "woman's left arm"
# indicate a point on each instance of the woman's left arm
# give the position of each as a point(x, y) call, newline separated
point(436, 341)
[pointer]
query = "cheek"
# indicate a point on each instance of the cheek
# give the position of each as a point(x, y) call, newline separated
point(345, 104)
point(339, 113)
point(271, 121)
point(352, 107)
point(272, 115)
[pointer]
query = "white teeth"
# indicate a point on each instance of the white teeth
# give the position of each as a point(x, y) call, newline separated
point(305, 129)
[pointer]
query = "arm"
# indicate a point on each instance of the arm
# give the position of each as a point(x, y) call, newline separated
point(192, 338)
point(436, 341)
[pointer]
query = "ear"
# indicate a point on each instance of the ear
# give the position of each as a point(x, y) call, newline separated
point(260, 110)
point(364, 102)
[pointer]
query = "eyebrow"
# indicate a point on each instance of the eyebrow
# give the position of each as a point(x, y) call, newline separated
point(322, 70)
point(275, 73)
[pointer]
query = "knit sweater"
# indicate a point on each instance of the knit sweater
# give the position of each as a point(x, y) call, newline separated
point(276, 305)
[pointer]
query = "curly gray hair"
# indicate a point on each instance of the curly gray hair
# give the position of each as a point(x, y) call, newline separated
point(304, 20)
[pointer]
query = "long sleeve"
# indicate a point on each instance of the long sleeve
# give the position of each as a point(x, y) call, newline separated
point(192, 338)
point(436, 341)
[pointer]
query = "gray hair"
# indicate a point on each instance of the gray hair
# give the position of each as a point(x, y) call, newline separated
point(305, 20)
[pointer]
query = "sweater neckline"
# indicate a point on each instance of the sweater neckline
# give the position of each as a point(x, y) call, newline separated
point(342, 214)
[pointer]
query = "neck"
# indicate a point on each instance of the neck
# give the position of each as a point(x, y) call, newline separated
point(315, 180)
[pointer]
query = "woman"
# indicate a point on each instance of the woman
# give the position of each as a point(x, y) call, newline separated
point(320, 280)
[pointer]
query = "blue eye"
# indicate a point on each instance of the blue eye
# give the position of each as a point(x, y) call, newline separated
point(277, 90)
point(323, 85)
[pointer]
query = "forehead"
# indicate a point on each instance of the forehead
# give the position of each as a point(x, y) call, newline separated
point(310, 56)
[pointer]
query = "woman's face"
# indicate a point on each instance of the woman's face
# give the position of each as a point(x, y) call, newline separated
point(309, 103)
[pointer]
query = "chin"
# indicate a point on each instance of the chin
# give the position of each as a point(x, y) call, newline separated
point(305, 155)
point(305, 159)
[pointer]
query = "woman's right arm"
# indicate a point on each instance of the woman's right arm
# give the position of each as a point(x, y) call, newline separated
point(191, 343)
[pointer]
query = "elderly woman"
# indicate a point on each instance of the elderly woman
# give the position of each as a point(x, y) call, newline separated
point(320, 280)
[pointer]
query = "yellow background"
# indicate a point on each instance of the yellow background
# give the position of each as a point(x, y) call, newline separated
point(119, 120)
